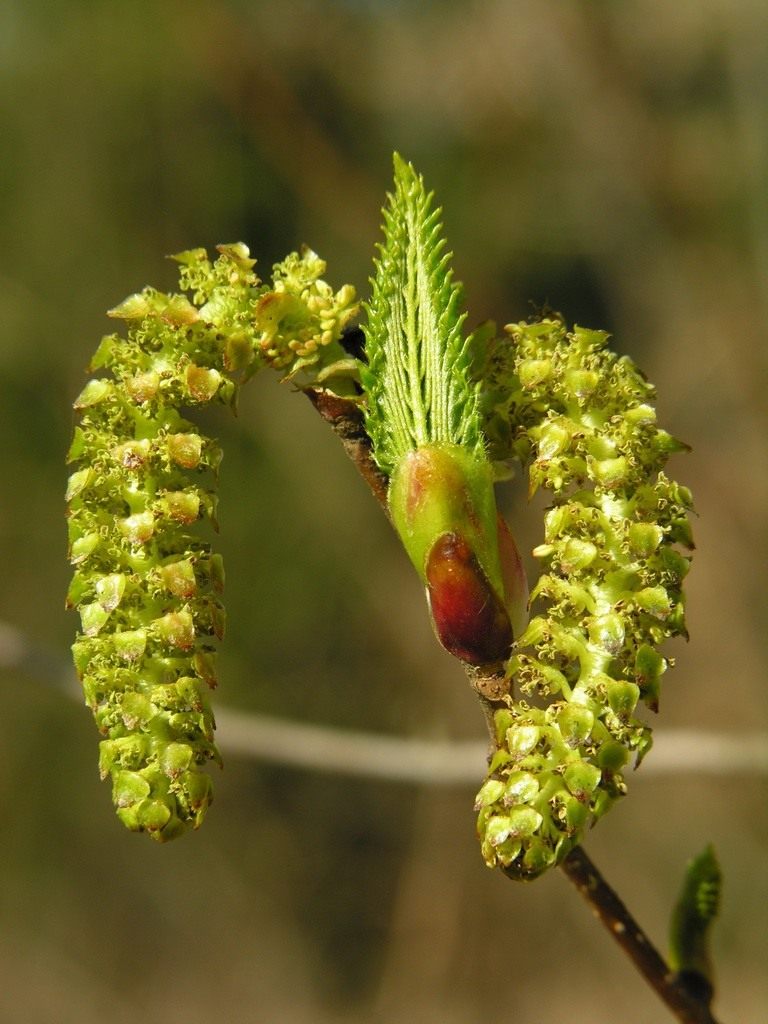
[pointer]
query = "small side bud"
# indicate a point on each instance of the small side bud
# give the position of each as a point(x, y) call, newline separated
point(691, 925)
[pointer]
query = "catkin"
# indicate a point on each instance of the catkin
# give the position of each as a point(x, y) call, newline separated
point(580, 418)
point(142, 506)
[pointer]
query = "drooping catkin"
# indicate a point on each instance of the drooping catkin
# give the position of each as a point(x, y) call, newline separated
point(142, 502)
point(580, 419)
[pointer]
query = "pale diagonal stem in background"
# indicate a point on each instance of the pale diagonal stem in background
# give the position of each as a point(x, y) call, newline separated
point(404, 759)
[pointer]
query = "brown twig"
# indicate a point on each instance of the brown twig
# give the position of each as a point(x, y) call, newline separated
point(346, 420)
point(689, 1007)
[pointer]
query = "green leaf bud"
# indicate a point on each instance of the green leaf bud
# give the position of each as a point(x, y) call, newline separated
point(423, 418)
point(437, 490)
point(691, 925)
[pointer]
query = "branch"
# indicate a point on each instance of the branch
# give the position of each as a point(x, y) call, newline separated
point(344, 415)
point(687, 1007)
point(346, 420)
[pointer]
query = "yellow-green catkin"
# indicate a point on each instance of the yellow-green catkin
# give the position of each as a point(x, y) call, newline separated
point(142, 505)
point(581, 419)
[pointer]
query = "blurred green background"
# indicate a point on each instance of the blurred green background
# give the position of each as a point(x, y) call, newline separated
point(607, 158)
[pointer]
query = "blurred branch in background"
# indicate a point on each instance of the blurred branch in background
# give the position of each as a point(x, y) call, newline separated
point(394, 758)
